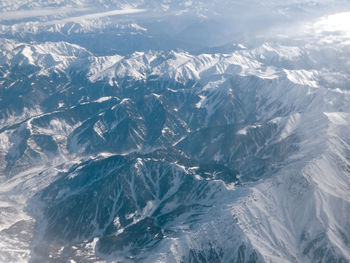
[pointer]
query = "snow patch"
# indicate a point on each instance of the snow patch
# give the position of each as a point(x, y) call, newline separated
point(103, 99)
point(338, 118)
point(303, 77)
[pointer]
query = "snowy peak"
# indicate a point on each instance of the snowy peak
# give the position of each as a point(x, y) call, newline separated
point(174, 131)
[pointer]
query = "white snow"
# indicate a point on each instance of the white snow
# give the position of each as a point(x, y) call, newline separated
point(103, 99)
point(303, 77)
point(307, 195)
point(291, 125)
point(202, 100)
point(338, 118)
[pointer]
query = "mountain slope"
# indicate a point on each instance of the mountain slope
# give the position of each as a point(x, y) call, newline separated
point(237, 153)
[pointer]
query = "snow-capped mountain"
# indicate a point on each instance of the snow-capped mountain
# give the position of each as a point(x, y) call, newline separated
point(122, 140)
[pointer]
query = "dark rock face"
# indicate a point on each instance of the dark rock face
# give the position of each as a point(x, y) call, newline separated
point(166, 134)
point(162, 172)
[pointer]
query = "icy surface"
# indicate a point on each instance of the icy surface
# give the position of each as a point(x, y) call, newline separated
point(122, 140)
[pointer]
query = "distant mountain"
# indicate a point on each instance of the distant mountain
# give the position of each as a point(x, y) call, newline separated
point(123, 142)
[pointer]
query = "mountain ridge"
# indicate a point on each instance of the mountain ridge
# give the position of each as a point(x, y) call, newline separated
point(227, 153)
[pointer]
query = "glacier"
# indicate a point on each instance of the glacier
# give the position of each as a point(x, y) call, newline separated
point(174, 131)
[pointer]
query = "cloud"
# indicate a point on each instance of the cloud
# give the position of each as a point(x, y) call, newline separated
point(97, 15)
point(23, 14)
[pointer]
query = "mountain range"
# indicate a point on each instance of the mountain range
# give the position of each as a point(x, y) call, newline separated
point(174, 131)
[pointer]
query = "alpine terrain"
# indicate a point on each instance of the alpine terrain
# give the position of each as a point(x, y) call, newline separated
point(175, 131)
